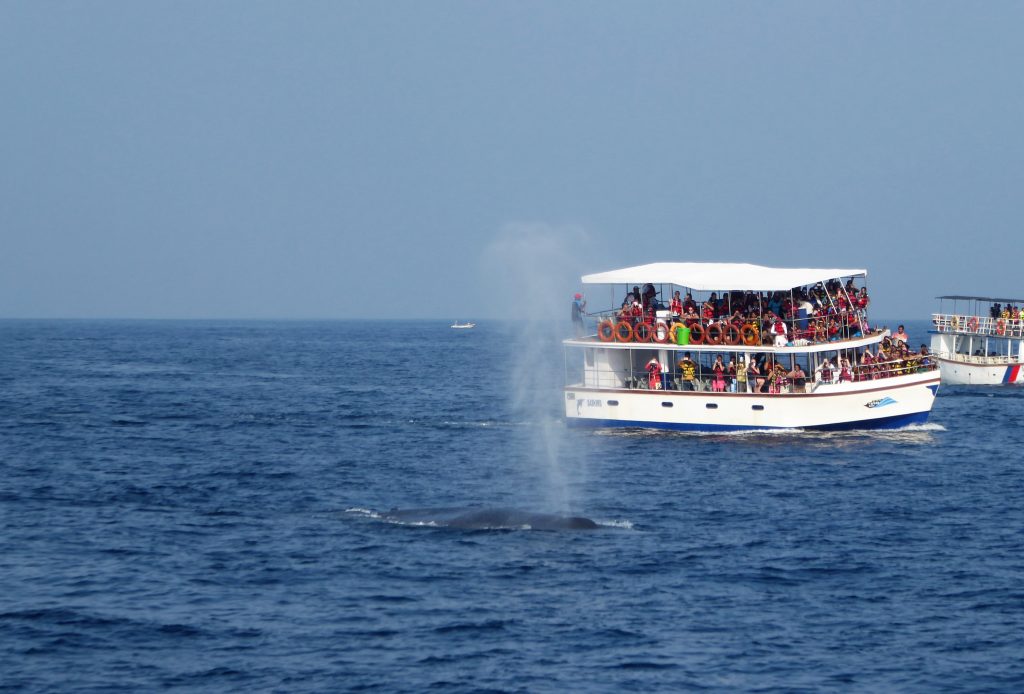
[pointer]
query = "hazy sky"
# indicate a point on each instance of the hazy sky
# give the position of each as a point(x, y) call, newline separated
point(383, 158)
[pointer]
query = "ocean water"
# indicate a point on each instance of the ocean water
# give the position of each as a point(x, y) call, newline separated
point(203, 506)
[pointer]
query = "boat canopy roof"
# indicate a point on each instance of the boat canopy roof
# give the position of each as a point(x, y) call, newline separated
point(964, 297)
point(720, 276)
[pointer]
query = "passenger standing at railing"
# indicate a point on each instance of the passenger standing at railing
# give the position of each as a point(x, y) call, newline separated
point(707, 312)
point(862, 299)
point(579, 308)
point(653, 374)
point(901, 336)
point(844, 372)
point(676, 305)
point(740, 384)
point(803, 311)
point(754, 376)
point(690, 316)
point(799, 379)
point(718, 382)
point(824, 372)
point(687, 373)
point(778, 329)
point(689, 304)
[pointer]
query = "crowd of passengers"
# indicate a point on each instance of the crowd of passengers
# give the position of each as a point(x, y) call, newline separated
point(766, 375)
point(821, 313)
point(1008, 312)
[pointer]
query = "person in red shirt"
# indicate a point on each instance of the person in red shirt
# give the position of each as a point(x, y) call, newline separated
point(676, 305)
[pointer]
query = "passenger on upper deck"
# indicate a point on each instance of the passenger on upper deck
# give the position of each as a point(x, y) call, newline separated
point(708, 311)
point(778, 329)
point(676, 305)
point(650, 299)
point(689, 304)
point(901, 336)
point(862, 299)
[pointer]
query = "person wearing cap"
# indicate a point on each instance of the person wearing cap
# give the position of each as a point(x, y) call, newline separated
point(579, 307)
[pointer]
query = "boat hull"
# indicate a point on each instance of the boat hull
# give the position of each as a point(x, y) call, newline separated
point(884, 404)
point(980, 373)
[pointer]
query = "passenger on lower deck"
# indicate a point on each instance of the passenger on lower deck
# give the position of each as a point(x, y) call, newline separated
point(799, 379)
point(687, 373)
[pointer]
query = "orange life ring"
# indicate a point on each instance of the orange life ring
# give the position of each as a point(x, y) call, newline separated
point(623, 331)
point(732, 334)
point(642, 332)
point(972, 324)
point(749, 334)
point(1000, 326)
point(662, 334)
point(606, 331)
point(713, 334)
point(696, 334)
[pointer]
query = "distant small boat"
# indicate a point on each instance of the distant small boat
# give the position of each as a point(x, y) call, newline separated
point(463, 326)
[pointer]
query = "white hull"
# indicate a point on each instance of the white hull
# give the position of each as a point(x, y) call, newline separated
point(980, 371)
point(884, 403)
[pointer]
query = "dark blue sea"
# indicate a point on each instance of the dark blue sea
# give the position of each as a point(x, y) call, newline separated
point(204, 506)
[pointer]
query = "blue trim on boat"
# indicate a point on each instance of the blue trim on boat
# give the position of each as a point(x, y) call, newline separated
point(895, 422)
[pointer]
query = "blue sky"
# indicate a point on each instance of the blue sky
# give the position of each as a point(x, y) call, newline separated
point(355, 159)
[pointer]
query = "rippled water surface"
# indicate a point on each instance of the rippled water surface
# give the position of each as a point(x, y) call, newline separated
point(205, 506)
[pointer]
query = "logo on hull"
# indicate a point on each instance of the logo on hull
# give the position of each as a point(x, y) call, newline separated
point(881, 402)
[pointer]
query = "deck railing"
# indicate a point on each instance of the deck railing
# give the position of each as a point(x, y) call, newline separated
point(706, 380)
point(978, 325)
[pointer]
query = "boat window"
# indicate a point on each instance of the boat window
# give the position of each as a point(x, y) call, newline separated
point(666, 404)
point(711, 406)
point(613, 403)
point(757, 407)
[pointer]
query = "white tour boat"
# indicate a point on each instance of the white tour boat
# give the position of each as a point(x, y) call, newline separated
point(463, 326)
point(981, 342)
point(634, 373)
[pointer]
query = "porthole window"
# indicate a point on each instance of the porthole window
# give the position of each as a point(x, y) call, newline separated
point(666, 404)
point(757, 408)
point(613, 403)
point(711, 406)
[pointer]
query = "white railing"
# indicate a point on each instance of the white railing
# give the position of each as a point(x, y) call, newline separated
point(977, 325)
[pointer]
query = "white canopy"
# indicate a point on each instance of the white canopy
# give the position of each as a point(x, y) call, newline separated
point(720, 276)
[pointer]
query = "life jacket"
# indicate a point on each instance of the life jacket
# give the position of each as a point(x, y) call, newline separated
point(826, 373)
point(779, 327)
